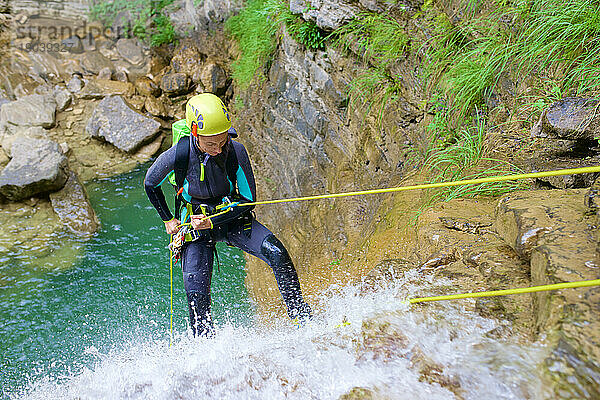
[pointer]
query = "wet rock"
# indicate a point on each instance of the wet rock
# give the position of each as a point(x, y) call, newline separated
point(490, 307)
point(433, 373)
point(37, 167)
point(75, 84)
point(73, 207)
point(380, 340)
point(214, 79)
point(175, 84)
point(526, 223)
point(592, 199)
point(559, 236)
point(93, 62)
point(464, 225)
point(437, 260)
point(32, 110)
point(73, 44)
point(155, 107)
point(385, 271)
point(147, 87)
point(116, 122)
point(97, 89)
point(130, 50)
point(359, 393)
point(571, 377)
point(573, 118)
point(105, 74)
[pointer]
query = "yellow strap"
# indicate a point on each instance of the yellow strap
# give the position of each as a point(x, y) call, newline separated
point(571, 171)
point(594, 282)
point(171, 275)
point(201, 171)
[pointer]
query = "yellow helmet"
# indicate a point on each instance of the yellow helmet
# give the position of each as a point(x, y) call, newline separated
point(206, 115)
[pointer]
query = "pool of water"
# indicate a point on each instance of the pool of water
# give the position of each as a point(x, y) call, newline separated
point(114, 290)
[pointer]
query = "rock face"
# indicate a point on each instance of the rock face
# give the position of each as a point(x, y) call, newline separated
point(32, 110)
point(328, 15)
point(37, 167)
point(116, 122)
point(175, 84)
point(72, 206)
point(559, 237)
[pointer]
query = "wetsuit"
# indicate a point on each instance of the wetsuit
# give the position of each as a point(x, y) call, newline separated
point(206, 183)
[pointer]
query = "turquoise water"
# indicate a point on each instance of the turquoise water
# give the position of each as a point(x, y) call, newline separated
point(54, 319)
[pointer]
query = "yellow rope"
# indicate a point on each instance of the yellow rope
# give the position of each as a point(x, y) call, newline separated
point(571, 171)
point(594, 282)
point(171, 275)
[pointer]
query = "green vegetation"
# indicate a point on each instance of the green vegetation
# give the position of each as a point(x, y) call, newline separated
point(382, 41)
point(148, 21)
point(465, 158)
point(516, 38)
point(255, 29)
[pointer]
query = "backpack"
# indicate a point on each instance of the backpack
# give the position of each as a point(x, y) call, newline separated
point(181, 139)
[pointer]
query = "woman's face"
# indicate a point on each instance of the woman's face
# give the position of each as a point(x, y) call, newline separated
point(212, 145)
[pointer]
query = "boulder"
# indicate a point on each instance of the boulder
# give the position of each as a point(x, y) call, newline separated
point(9, 136)
point(37, 167)
point(93, 62)
point(75, 84)
point(573, 118)
point(73, 207)
point(116, 122)
point(62, 98)
point(99, 88)
point(175, 84)
point(73, 44)
point(121, 75)
point(214, 79)
point(147, 87)
point(328, 15)
point(130, 50)
point(105, 74)
point(155, 107)
point(31, 110)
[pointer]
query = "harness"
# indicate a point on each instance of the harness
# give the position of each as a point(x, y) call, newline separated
point(182, 161)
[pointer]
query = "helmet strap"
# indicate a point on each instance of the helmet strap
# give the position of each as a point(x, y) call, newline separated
point(195, 129)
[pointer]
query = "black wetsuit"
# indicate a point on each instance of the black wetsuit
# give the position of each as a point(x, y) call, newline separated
point(207, 183)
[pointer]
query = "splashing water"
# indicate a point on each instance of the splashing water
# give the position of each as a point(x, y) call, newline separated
point(325, 359)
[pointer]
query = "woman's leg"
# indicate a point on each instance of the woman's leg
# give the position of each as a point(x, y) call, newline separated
point(197, 258)
point(261, 243)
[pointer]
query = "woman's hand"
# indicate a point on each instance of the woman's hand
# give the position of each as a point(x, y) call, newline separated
point(199, 222)
point(172, 226)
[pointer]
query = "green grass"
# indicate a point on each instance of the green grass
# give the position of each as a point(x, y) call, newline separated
point(149, 23)
point(381, 41)
point(254, 29)
point(470, 57)
point(465, 158)
point(380, 38)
